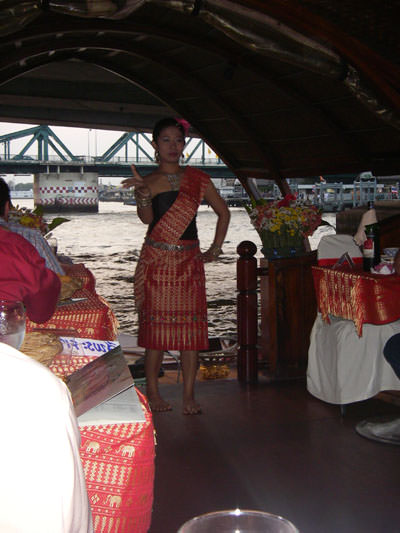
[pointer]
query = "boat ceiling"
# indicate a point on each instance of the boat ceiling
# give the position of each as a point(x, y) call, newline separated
point(279, 89)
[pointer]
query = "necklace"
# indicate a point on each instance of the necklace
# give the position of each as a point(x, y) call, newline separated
point(174, 180)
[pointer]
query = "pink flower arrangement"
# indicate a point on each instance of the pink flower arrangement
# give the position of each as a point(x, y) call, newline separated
point(283, 223)
point(287, 215)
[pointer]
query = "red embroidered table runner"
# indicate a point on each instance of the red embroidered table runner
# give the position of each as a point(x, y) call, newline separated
point(356, 295)
point(90, 318)
point(118, 461)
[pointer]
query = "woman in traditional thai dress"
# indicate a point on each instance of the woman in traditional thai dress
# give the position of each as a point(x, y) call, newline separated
point(169, 280)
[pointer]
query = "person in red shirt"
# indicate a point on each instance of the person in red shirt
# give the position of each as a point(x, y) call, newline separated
point(23, 273)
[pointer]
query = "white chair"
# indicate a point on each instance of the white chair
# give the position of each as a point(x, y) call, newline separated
point(332, 247)
point(343, 367)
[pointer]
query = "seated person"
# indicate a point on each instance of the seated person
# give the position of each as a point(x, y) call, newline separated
point(24, 276)
point(43, 488)
point(391, 352)
point(33, 236)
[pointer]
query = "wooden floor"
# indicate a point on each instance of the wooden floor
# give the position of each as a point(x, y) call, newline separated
point(273, 447)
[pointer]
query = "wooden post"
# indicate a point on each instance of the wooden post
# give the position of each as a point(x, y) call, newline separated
point(247, 312)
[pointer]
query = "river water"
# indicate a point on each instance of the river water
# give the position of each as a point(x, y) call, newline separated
point(109, 242)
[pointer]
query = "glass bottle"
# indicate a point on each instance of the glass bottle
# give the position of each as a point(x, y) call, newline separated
point(371, 248)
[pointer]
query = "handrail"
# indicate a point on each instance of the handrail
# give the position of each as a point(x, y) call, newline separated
point(247, 313)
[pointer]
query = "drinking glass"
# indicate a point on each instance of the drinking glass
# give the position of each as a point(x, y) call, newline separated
point(12, 323)
point(238, 521)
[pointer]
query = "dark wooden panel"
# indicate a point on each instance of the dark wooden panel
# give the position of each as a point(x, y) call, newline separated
point(288, 310)
point(390, 232)
point(347, 221)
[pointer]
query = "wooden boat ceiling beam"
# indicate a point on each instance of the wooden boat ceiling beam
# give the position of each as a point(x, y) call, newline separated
point(279, 90)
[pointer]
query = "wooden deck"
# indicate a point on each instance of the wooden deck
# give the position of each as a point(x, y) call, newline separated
point(273, 447)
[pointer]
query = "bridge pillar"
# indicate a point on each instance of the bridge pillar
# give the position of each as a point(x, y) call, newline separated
point(66, 191)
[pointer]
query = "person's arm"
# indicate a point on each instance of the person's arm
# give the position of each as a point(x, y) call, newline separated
point(142, 194)
point(220, 208)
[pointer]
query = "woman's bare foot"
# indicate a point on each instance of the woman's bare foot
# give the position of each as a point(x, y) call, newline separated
point(158, 405)
point(190, 407)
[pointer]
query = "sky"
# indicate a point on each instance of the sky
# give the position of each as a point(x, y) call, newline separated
point(80, 141)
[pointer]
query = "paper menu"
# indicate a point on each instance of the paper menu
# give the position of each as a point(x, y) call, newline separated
point(87, 347)
point(98, 381)
point(123, 408)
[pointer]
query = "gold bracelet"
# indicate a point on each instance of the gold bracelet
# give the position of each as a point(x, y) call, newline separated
point(141, 196)
point(143, 202)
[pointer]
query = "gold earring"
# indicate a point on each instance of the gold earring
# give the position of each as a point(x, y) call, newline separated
point(157, 156)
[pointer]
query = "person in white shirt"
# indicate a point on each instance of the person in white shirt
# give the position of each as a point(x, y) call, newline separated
point(42, 487)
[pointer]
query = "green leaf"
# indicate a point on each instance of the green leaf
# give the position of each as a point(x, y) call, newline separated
point(38, 210)
point(56, 222)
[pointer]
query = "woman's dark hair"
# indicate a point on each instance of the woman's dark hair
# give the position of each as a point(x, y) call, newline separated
point(166, 123)
point(4, 196)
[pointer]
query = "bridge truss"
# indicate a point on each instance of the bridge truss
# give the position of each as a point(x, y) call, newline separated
point(52, 155)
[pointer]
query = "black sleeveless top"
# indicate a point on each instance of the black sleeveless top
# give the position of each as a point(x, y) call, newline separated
point(161, 203)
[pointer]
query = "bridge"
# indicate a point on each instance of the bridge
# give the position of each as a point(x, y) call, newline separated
point(52, 155)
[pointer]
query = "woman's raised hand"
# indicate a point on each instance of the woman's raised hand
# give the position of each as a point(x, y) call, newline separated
point(135, 181)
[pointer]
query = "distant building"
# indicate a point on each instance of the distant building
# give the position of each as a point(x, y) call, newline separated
point(21, 194)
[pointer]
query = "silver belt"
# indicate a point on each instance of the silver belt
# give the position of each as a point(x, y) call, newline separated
point(171, 247)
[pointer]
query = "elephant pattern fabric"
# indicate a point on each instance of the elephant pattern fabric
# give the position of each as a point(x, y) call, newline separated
point(118, 461)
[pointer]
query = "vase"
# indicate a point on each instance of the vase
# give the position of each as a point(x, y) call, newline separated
point(277, 246)
point(285, 251)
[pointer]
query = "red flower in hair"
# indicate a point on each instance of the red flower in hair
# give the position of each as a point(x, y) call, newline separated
point(185, 125)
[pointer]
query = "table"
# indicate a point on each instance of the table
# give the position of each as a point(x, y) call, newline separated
point(359, 312)
point(91, 318)
point(118, 461)
point(356, 295)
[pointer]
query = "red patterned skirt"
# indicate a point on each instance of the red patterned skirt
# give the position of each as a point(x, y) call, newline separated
point(171, 298)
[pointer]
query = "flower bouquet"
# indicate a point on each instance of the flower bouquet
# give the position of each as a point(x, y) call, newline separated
point(283, 225)
point(33, 219)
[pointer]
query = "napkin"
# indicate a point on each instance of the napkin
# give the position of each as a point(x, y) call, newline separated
point(383, 268)
point(369, 217)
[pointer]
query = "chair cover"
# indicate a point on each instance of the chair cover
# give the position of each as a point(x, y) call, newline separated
point(343, 367)
point(332, 247)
